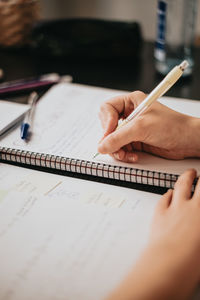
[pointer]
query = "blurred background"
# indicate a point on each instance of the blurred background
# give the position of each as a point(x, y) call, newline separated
point(142, 11)
point(107, 43)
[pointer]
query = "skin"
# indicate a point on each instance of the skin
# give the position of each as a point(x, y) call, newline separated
point(159, 130)
point(169, 268)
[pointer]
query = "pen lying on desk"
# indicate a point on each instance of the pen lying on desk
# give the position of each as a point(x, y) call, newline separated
point(28, 120)
point(32, 83)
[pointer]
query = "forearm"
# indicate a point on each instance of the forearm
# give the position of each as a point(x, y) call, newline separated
point(159, 274)
point(194, 136)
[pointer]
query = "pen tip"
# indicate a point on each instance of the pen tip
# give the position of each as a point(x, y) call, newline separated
point(95, 155)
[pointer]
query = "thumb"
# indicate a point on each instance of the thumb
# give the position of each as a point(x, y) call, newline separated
point(110, 127)
point(109, 118)
point(129, 133)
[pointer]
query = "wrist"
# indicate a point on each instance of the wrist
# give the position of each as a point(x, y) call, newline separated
point(179, 265)
point(193, 126)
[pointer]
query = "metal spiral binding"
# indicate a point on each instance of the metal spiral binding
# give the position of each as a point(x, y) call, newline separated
point(66, 164)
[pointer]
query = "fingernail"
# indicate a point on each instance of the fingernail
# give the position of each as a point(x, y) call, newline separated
point(131, 158)
point(116, 155)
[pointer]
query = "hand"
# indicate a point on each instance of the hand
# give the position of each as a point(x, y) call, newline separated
point(176, 222)
point(169, 267)
point(175, 233)
point(160, 130)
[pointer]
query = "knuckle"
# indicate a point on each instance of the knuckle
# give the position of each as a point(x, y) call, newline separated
point(104, 113)
point(187, 177)
point(138, 96)
point(179, 182)
point(138, 93)
point(102, 108)
point(182, 181)
point(105, 109)
point(113, 141)
point(140, 125)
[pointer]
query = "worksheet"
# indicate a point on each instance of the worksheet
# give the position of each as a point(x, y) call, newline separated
point(66, 238)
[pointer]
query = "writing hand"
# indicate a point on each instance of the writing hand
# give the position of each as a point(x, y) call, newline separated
point(159, 130)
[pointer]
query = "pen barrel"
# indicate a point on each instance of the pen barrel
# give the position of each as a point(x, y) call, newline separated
point(163, 86)
point(174, 75)
point(159, 91)
point(124, 122)
point(137, 113)
point(32, 102)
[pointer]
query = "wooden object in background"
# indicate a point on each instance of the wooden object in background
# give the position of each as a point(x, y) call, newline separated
point(17, 18)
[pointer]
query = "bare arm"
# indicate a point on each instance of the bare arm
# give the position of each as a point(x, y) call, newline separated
point(169, 268)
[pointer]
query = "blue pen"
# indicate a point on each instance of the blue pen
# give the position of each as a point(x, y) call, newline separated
point(27, 123)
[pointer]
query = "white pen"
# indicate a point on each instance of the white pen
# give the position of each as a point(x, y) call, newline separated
point(27, 123)
point(157, 92)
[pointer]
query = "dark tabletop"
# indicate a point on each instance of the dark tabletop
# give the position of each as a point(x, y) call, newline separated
point(132, 74)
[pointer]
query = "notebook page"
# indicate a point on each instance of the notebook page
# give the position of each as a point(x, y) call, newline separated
point(67, 124)
point(76, 240)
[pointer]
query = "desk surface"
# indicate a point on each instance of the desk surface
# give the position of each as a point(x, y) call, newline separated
point(132, 75)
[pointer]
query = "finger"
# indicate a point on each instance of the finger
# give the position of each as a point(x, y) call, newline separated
point(196, 195)
point(164, 201)
point(117, 107)
point(109, 118)
point(137, 146)
point(125, 104)
point(125, 156)
point(131, 102)
point(128, 148)
point(131, 132)
point(183, 186)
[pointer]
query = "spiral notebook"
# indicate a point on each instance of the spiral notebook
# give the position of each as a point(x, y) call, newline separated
point(66, 132)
